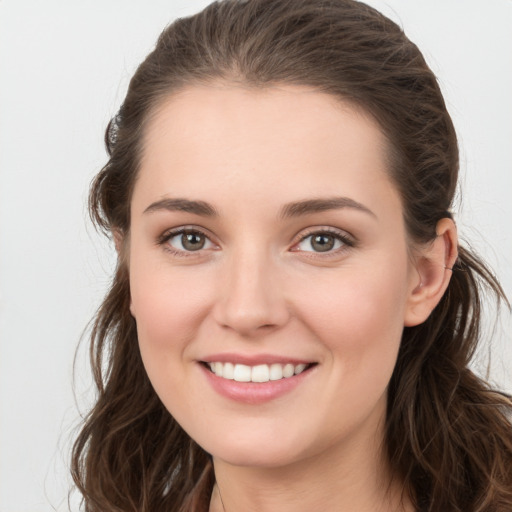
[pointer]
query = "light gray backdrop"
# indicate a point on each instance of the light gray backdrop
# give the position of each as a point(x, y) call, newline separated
point(64, 68)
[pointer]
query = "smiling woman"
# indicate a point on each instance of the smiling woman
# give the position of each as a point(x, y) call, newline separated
point(292, 316)
point(279, 279)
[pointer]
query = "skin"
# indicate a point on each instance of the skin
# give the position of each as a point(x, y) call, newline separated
point(259, 287)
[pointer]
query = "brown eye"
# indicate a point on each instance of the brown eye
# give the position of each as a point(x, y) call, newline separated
point(322, 242)
point(184, 241)
point(193, 241)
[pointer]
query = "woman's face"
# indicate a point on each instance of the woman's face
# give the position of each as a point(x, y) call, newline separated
point(267, 240)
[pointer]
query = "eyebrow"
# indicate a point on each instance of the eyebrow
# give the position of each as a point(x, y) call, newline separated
point(310, 206)
point(294, 209)
point(183, 205)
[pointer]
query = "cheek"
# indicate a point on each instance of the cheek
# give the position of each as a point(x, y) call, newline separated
point(168, 307)
point(359, 320)
point(359, 316)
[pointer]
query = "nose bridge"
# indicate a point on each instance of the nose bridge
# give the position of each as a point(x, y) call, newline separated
point(252, 300)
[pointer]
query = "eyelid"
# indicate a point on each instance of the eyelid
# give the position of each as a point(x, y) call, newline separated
point(179, 230)
point(347, 240)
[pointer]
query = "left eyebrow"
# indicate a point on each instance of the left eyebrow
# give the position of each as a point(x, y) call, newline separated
point(183, 205)
point(309, 206)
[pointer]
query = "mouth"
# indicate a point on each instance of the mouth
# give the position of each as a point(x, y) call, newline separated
point(259, 373)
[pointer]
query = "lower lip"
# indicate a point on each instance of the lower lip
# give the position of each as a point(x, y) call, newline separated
point(254, 393)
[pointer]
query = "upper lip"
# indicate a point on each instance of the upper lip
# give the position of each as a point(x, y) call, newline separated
point(253, 359)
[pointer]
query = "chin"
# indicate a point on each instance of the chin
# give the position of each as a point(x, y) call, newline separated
point(264, 451)
point(254, 457)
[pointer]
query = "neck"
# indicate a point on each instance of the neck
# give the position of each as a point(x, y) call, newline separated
point(347, 481)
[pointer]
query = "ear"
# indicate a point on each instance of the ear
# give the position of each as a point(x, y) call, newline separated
point(433, 267)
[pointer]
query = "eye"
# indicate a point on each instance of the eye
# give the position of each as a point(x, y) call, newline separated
point(323, 241)
point(186, 240)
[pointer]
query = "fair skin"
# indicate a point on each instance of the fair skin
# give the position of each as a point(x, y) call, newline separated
point(287, 245)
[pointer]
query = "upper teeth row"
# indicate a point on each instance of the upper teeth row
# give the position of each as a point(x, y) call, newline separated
point(259, 373)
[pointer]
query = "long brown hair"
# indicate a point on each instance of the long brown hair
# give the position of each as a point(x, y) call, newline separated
point(448, 436)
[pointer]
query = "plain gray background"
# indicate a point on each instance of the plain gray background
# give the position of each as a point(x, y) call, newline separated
point(64, 68)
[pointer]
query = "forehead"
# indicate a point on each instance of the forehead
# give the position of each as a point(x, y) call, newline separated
point(207, 140)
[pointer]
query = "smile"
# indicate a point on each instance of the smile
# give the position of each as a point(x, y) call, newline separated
point(259, 373)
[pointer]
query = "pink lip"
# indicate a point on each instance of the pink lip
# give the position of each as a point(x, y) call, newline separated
point(253, 393)
point(253, 360)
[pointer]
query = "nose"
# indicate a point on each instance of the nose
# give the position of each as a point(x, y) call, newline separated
point(252, 301)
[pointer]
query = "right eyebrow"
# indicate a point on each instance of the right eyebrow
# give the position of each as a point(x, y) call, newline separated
point(310, 206)
point(183, 205)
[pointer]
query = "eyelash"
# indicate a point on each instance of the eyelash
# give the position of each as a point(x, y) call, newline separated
point(168, 235)
point(346, 241)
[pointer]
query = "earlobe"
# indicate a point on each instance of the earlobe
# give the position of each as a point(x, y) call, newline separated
point(433, 266)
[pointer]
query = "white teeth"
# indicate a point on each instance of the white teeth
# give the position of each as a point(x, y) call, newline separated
point(288, 370)
point(276, 372)
point(218, 369)
point(299, 368)
point(258, 373)
point(242, 373)
point(228, 371)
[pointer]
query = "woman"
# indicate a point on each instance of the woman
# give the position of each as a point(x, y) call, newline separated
point(292, 317)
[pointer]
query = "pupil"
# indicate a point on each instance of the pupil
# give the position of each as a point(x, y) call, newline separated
point(322, 243)
point(192, 241)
